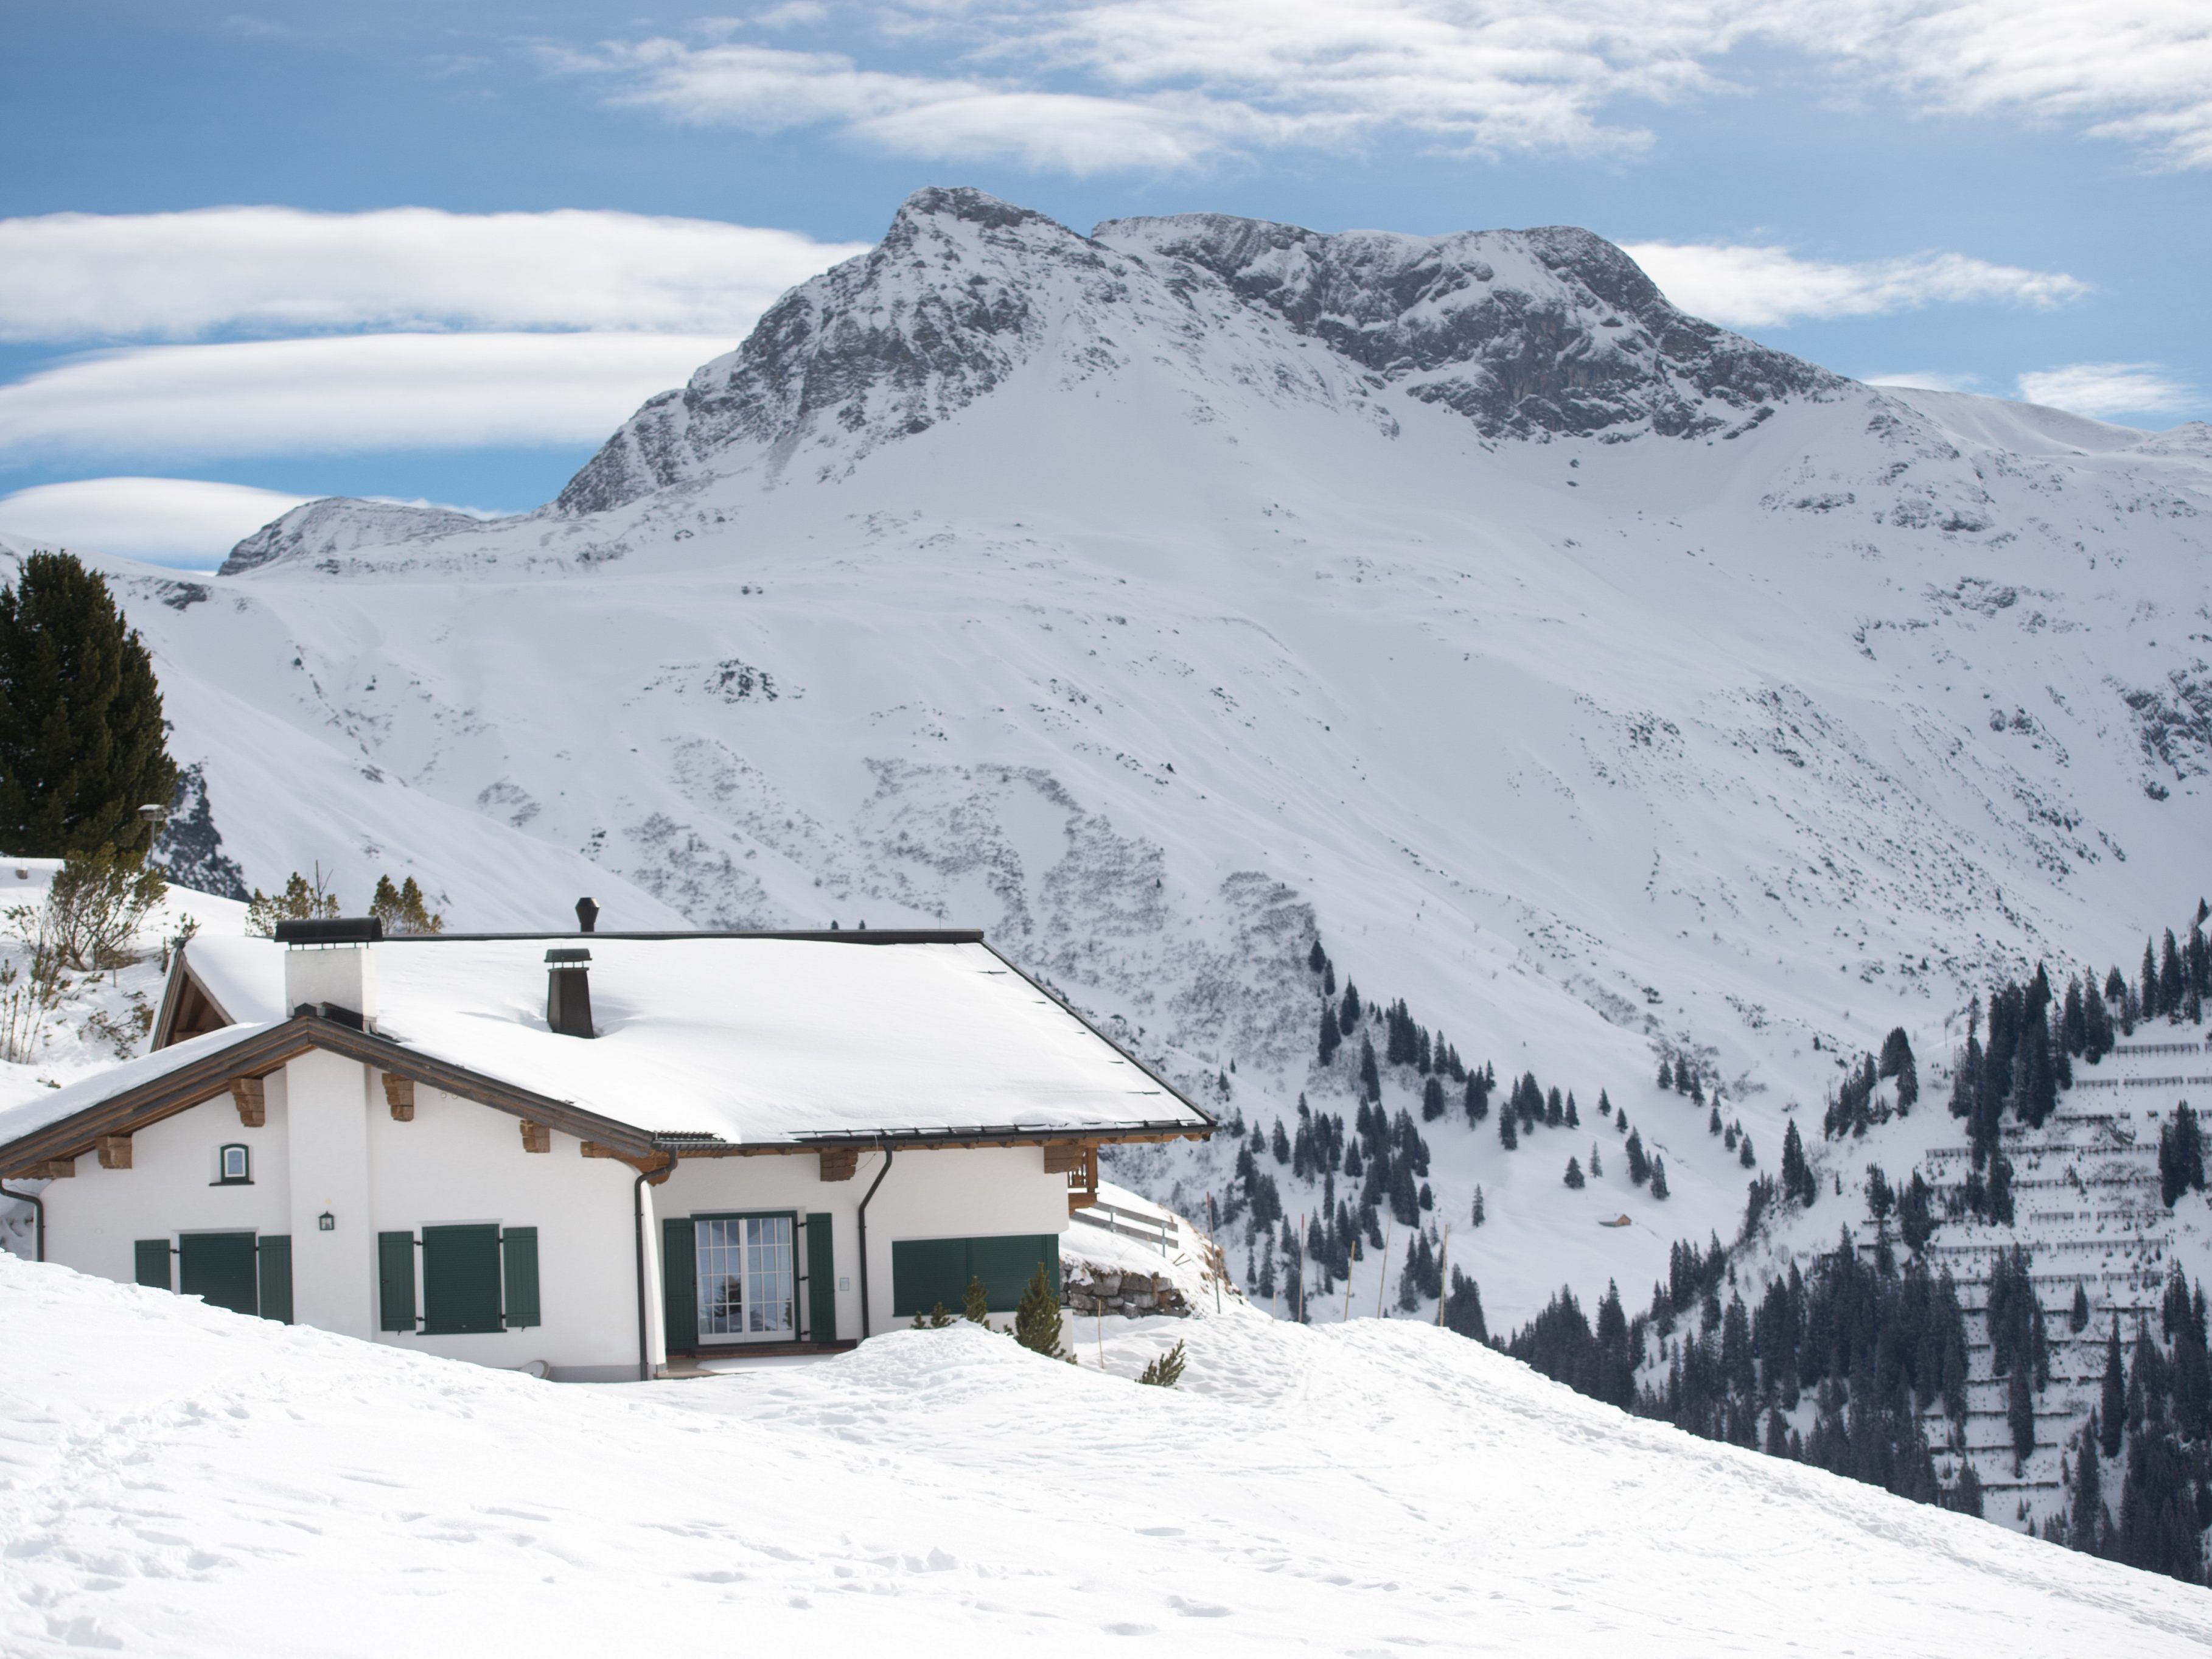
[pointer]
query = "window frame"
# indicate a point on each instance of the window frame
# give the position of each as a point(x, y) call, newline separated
point(799, 1278)
point(222, 1175)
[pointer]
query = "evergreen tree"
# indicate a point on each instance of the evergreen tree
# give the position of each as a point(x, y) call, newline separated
point(2085, 1527)
point(1666, 1074)
point(1574, 1176)
point(1659, 1179)
point(1574, 1119)
point(81, 736)
point(1036, 1318)
point(1463, 1308)
point(1432, 1100)
point(1916, 1218)
point(1555, 1111)
point(2077, 1319)
point(1315, 959)
point(1639, 1166)
point(1745, 1156)
point(2148, 996)
point(1797, 1179)
point(2172, 987)
point(976, 1305)
point(1597, 1164)
point(1166, 1370)
point(1279, 1143)
point(1348, 1014)
point(2020, 1415)
point(1508, 1136)
point(2096, 1027)
point(2112, 1409)
point(1479, 1217)
point(2000, 1198)
point(1477, 1098)
point(2180, 1155)
point(1370, 1080)
point(1331, 1038)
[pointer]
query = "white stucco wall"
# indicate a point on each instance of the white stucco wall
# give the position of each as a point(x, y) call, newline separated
point(458, 1162)
point(94, 1217)
point(956, 1193)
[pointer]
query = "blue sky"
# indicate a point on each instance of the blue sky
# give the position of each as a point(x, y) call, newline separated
point(2013, 197)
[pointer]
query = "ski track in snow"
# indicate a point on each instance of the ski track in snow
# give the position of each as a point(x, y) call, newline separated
point(182, 1481)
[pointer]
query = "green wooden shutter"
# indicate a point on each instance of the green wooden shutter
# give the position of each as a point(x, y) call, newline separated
point(679, 1283)
point(821, 1281)
point(275, 1251)
point(395, 1281)
point(218, 1268)
point(926, 1272)
point(460, 1281)
point(151, 1258)
point(518, 1248)
point(1006, 1264)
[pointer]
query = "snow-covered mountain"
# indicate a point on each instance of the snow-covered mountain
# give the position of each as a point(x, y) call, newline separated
point(1604, 684)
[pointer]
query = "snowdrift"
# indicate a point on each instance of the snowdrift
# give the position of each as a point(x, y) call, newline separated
point(181, 1481)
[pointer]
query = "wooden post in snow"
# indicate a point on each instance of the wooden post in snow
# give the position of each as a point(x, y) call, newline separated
point(1382, 1274)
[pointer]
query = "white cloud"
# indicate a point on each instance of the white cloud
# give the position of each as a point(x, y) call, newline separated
point(348, 394)
point(2106, 390)
point(1495, 76)
point(165, 520)
point(1925, 380)
point(769, 89)
point(1750, 287)
point(183, 276)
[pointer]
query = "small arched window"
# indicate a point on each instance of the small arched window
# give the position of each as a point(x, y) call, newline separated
point(234, 1166)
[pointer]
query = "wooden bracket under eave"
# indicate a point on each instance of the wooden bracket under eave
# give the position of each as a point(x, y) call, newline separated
point(535, 1136)
point(840, 1162)
point(1078, 1161)
point(114, 1151)
point(399, 1095)
point(251, 1095)
point(54, 1168)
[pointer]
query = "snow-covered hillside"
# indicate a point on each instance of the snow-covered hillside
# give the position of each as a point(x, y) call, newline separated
point(180, 1480)
point(1601, 683)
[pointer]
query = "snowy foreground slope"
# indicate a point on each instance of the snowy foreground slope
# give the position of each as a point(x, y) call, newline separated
point(177, 1480)
point(1603, 684)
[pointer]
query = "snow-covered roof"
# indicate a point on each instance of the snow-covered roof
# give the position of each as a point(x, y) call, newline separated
point(26, 1117)
point(752, 1040)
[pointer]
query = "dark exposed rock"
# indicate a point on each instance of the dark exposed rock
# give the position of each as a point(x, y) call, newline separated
point(190, 848)
point(1546, 330)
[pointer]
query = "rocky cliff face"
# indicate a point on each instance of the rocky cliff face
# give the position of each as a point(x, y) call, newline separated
point(339, 524)
point(1526, 333)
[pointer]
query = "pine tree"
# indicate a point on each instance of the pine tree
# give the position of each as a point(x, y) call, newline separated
point(1508, 1135)
point(2086, 1526)
point(1659, 1179)
point(1432, 1100)
point(1574, 1176)
point(1597, 1165)
point(1574, 1119)
point(82, 735)
point(2020, 1415)
point(2111, 1407)
point(1166, 1372)
point(2077, 1320)
point(1348, 1014)
point(1315, 958)
point(1463, 1308)
point(1479, 1217)
point(1666, 1074)
point(1555, 1111)
point(977, 1303)
point(1279, 1143)
point(1478, 1098)
point(1331, 1038)
point(1745, 1156)
point(1797, 1180)
point(1370, 1079)
point(1639, 1166)
point(1713, 1124)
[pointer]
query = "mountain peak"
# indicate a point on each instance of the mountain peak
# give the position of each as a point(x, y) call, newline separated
point(1526, 334)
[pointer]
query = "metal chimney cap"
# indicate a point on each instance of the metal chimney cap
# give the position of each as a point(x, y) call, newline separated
point(588, 917)
point(568, 958)
point(330, 930)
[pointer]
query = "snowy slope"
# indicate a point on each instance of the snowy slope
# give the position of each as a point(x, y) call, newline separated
point(1161, 600)
point(183, 1481)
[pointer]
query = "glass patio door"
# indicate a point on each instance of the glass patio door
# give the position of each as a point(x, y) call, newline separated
point(748, 1285)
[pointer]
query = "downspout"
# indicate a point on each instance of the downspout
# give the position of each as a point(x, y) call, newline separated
point(38, 1208)
point(637, 1211)
point(889, 1153)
